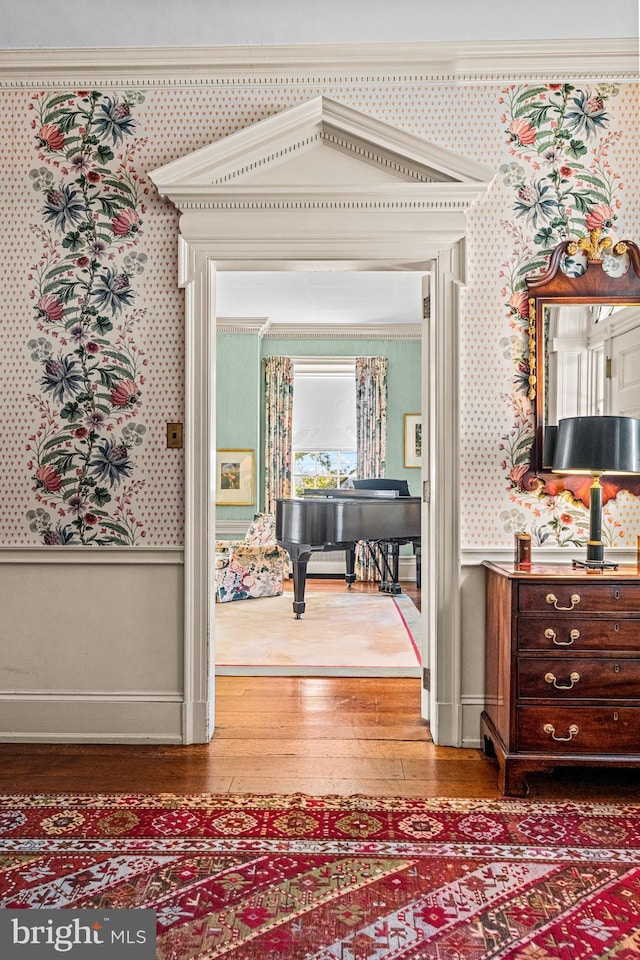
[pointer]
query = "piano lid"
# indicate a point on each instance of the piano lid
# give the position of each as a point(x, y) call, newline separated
point(335, 493)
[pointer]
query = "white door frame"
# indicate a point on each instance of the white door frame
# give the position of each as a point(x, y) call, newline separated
point(322, 183)
point(441, 567)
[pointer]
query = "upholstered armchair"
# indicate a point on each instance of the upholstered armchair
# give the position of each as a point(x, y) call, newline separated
point(253, 567)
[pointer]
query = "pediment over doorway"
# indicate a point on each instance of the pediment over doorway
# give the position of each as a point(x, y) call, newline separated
point(325, 149)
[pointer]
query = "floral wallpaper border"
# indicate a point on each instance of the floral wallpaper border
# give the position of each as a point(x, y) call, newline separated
point(90, 388)
point(564, 185)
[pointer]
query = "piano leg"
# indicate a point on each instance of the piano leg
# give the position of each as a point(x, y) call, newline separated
point(417, 548)
point(299, 564)
point(390, 558)
point(350, 564)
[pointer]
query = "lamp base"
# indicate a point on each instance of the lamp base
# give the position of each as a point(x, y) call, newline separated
point(595, 564)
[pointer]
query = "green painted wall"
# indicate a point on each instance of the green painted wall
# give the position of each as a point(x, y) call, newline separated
point(238, 392)
point(239, 389)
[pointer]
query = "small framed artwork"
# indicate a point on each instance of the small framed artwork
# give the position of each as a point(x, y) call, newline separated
point(413, 439)
point(234, 478)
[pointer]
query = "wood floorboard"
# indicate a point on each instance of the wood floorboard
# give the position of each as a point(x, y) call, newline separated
point(287, 735)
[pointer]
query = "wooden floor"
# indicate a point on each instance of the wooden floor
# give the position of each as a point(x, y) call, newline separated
point(296, 735)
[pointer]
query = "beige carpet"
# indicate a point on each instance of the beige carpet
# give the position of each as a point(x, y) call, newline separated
point(340, 634)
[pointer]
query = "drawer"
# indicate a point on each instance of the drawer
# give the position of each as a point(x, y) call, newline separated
point(586, 678)
point(579, 730)
point(561, 633)
point(560, 597)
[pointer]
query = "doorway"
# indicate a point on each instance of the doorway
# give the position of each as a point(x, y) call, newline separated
point(319, 184)
point(322, 320)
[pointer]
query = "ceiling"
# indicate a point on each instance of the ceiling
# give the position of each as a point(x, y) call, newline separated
point(321, 297)
point(121, 23)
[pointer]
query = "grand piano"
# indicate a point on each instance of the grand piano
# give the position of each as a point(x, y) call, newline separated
point(336, 520)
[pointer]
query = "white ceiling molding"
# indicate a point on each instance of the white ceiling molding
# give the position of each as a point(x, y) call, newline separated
point(256, 326)
point(335, 331)
point(264, 328)
point(460, 62)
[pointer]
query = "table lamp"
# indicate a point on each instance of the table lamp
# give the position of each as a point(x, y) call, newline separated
point(597, 445)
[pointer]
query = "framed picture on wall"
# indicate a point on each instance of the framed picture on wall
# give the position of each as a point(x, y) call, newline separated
point(234, 478)
point(413, 439)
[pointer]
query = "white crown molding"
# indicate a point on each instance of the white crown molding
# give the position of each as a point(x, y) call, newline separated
point(351, 331)
point(262, 327)
point(464, 62)
point(255, 326)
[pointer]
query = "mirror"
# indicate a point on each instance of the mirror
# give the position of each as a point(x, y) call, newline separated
point(584, 341)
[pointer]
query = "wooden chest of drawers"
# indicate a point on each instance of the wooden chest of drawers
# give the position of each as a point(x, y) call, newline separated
point(562, 669)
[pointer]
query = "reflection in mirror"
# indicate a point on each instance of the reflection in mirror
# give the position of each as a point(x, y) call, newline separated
point(591, 355)
point(584, 340)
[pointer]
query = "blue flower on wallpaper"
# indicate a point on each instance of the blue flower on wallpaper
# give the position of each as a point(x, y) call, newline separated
point(91, 368)
point(111, 462)
point(112, 291)
point(62, 377)
point(536, 203)
point(114, 120)
point(586, 113)
point(64, 207)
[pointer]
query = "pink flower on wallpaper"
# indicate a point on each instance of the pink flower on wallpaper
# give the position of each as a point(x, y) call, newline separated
point(50, 308)
point(600, 217)
point(51, 137)
point(522, 132)
point(126, 223)
point(517, 472)
point(519, 303)
point(48, 479)
point(125, 394)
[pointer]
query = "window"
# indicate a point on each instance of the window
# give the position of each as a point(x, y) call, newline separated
point(324, 423)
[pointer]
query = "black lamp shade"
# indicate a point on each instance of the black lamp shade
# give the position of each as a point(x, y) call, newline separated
point(597, 445)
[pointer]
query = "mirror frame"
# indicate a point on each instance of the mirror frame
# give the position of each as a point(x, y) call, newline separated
point(555, 287)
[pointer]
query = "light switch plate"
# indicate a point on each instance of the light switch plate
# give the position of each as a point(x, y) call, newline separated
point(174, 435)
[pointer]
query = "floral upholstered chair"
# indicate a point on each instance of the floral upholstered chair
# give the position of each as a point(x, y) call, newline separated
point(253, 567)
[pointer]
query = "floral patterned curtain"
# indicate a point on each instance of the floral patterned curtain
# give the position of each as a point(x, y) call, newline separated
point(278, 385)
point(371, 433)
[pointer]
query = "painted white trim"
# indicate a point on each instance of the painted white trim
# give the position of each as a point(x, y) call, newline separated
point(77, 696)
point(256, 326)
point(262, 327)
point(173, 556)
point(446, 715)
point(478, 62)
point(334, 331)
point(473, 556)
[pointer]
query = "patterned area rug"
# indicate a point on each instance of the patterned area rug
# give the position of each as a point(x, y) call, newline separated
point(259, 878)
point(341, 634)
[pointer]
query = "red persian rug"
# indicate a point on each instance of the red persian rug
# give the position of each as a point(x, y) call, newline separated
point(335, 878)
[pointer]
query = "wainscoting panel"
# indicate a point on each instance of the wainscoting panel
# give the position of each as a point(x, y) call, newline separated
point(92, 645)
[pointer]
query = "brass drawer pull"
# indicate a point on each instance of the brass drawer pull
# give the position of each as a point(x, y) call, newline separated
point(552, 635)
point(575, 598)
point(573, 678)
point(573, 731)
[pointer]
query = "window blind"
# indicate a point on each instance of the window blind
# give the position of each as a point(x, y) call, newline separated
point(324, 411)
